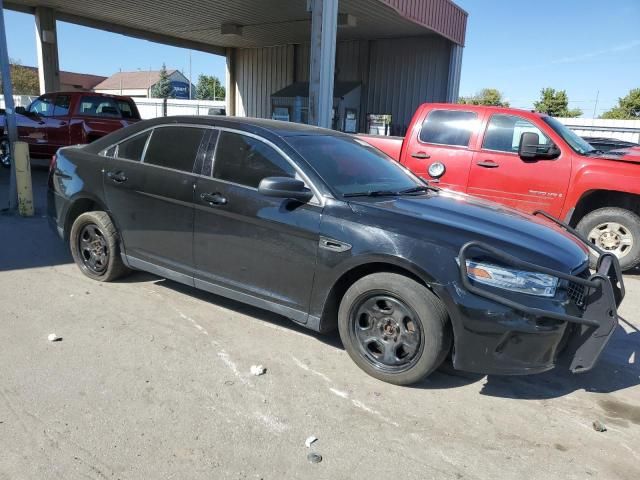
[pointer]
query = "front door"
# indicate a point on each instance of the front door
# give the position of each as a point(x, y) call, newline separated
point(149, 184)
point(444, 138)
point(262, 247)
point(499, 174)
point(58, 124)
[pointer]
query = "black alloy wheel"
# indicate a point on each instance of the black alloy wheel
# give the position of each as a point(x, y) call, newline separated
point(94, 249)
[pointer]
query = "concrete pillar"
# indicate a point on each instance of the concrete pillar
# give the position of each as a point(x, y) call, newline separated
point(455, 69)
point(324, 26)
point(47, 46)
point(230, 80)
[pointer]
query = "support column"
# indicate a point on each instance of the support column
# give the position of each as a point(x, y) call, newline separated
point(455, 69)
point(324, 26)
point(10, 114)
point(230, 80)
point(47, 46)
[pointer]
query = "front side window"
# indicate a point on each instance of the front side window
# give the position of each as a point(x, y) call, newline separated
point(449, 127)
point(348, 165)
point(504, 132)
point(61, 108)
point(132, 148)
point(174, 147)
point(99, 107)
point(42, 107)
point(245, 160)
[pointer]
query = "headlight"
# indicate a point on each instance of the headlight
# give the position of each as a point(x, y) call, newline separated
point(521, 281)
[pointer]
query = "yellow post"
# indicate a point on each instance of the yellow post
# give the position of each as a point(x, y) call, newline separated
point(22, 164)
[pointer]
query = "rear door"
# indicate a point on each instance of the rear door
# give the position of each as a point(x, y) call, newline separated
point(445, 137)
point(499, 174)
point(149, 185)
point(262, 247)
point(58, 123)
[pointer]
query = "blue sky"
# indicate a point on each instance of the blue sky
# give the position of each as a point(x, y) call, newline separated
point(582, 46)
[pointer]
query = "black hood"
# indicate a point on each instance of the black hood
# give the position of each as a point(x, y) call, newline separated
point(455, 219)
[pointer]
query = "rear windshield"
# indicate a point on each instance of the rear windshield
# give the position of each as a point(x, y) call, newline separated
point(96, 106)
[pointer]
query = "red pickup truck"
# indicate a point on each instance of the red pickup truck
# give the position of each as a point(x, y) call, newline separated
point(528, 161)
point(59, 119)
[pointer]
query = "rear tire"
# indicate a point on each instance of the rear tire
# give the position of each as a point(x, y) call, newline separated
point(394, 328)
point(95, 248)
point(616, 230)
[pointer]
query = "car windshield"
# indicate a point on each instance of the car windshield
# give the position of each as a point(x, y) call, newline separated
point(350, 166)
point(569, 136)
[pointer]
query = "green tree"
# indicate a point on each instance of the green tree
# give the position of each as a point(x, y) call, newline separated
point(209, 88)
point(555, 103)
point(163, 88)
point(23, 79)
point(628, 107)
point(486, 96)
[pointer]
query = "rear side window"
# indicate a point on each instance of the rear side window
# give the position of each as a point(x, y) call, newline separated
point(449, 127)
point(99, 107)
point(132, 148)
point(127, 110)
point(246, 160)
point(174, 147)
point(504, 132)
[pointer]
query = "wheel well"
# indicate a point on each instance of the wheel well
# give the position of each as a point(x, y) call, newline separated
point(329, 319)
point(78, 207)
point(595, 199)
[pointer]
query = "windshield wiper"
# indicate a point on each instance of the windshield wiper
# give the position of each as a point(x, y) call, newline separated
point(372, 193)
point(419, 189)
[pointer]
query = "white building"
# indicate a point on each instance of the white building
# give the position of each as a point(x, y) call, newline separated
point(140, 83)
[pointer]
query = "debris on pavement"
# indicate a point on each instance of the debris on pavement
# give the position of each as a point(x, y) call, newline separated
point(314, 457)
point(309, 441)
point(258, 370)
point(54, 338)
point(598, 426)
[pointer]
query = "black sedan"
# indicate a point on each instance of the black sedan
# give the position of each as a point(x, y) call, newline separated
point(329, 232)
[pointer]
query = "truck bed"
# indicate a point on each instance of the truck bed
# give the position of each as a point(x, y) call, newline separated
point(392, 146)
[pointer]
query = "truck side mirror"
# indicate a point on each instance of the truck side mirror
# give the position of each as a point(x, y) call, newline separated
point(21, 110)
point(528, 149)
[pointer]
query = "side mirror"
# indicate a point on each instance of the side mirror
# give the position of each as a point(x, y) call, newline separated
point(285, 187)
point(530, 148)
point(21, 110)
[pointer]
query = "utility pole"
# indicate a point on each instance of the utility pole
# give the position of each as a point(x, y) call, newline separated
point(10, 114)
point(190, 97)
point(595, 108)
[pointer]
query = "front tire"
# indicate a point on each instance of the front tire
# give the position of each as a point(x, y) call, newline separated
point(94, 246)
point(614, 230)
point(394, 328)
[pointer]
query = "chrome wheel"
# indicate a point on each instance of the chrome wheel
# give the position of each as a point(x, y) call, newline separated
point(387, 331)
point(612, 237)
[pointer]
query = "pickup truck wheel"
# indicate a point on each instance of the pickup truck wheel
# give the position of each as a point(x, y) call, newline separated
point(94, 246)
point(393, 328)
point(5, 152)
point(614, 230)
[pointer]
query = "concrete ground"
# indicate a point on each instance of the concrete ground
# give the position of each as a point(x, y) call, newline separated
point(151, 381)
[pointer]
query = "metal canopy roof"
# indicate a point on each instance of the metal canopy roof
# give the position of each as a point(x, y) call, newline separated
point(198, 24)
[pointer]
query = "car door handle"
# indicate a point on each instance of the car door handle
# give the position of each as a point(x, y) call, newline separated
point(487, 164)
point(117, 177)
point(421, 155)
point(213, 198)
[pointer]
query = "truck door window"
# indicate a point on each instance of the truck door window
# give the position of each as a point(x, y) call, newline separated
point(449, 127)
point(42, 107)
point(99, 107)
point(61, 108)
point(504, 132)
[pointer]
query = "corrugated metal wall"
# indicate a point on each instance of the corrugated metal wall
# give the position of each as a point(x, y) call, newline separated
point(259, 73)
point(405, 72)
point(397, 74)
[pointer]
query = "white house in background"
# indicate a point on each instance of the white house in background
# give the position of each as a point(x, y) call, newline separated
point(139, 84)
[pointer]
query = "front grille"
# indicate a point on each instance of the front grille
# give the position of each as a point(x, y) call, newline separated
point(577, 292)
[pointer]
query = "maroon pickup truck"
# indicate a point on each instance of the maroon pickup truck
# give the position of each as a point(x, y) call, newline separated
point(59, 119)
